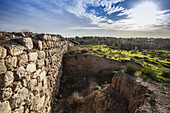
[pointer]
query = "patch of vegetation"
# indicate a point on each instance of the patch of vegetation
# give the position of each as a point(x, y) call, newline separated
point(131, 69)
point(148, 74)
point(101, 79)
point(166, 73)
point(97, 87)
point(156, 61)
point(153, 98)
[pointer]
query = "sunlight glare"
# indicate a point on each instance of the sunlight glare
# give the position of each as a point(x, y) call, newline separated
point(144, 14)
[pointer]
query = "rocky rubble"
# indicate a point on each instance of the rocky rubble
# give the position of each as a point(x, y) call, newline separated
point(29, 66)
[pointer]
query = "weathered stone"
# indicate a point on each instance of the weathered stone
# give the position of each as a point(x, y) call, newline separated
point(40, 63)
point(3, 52)
point(24, 82)
point(21, 72)
point(23, 59)
point(42, 75)
point(16, 86)
point(5, 107)
point(36, 73)
point(6, 94)
point(54, 38)
point(33, 56)
point(38, 103)
point(41, 54)
point(8, 78)
point(11, 62)
point(32, 84)
point(27, 110)
point(15, 49)
point(27, 42)
point(18, 98)
point(3, 68)
point(49, 44)
point(30, 99)
point(44, 45)
point(38, 43)
point(44, 37)
point(31, 68)
point(19, 110)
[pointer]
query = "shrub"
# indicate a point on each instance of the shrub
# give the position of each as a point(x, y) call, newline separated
point(166, 73)
point(148, 73)
point(131, 69)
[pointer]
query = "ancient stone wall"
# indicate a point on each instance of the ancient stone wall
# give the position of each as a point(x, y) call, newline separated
point(29, 69)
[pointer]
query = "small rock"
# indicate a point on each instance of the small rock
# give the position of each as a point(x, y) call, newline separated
point(44, 37)
point(7, 93)
point(19, 110)
point(11, 62)
point(42, 75)
point(40, 63)
point(33, 56)
point(27, 42)
point(19, 98)
point(41, 54)
point(5, 107)
point(3, 52)
point(21, 72)
point(8, 78)
point(23, 59)
point(15, 49)
point(31, 68)
point(36, 73)
point(16, 86)
point(3, 68)
point(38, 43)
point(38, 103)
point(32, 84)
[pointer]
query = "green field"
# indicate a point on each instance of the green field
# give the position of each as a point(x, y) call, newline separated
point(155, 63)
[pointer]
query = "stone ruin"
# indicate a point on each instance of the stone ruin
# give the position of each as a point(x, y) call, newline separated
point(30, 69)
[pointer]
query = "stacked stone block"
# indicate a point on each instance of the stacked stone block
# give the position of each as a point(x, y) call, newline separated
point(29, 70)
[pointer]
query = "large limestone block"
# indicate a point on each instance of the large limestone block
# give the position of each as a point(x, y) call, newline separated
point(55, 38)
point(27, 42)
point(3, 52)
point(32, 84)
point(6, 94)
point(5, 107)
point(3, 68)
point(23, 59)
point(44, 37)
point(38, 44)
point(11, 62)
point(42, 75)
point(33, 56)
point(41, 54)
point(40, 63)
point(21, 72)
point(38, 103)
point(31, 68)
point(15, 49)
point(18, 99)
point(8, 78)
point(16, 86)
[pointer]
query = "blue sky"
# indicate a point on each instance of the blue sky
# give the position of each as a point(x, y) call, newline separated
point(120, 18)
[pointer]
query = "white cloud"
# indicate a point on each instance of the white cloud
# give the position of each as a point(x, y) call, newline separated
point(144, 16)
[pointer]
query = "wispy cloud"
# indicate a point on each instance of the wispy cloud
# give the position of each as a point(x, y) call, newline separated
point(85, 16)
point(142, 17)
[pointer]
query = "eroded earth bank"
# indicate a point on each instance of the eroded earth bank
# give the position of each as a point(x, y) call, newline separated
point(85, 88)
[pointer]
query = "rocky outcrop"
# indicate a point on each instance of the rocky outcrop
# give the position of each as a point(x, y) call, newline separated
point(29, 72)
point(142, 96)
